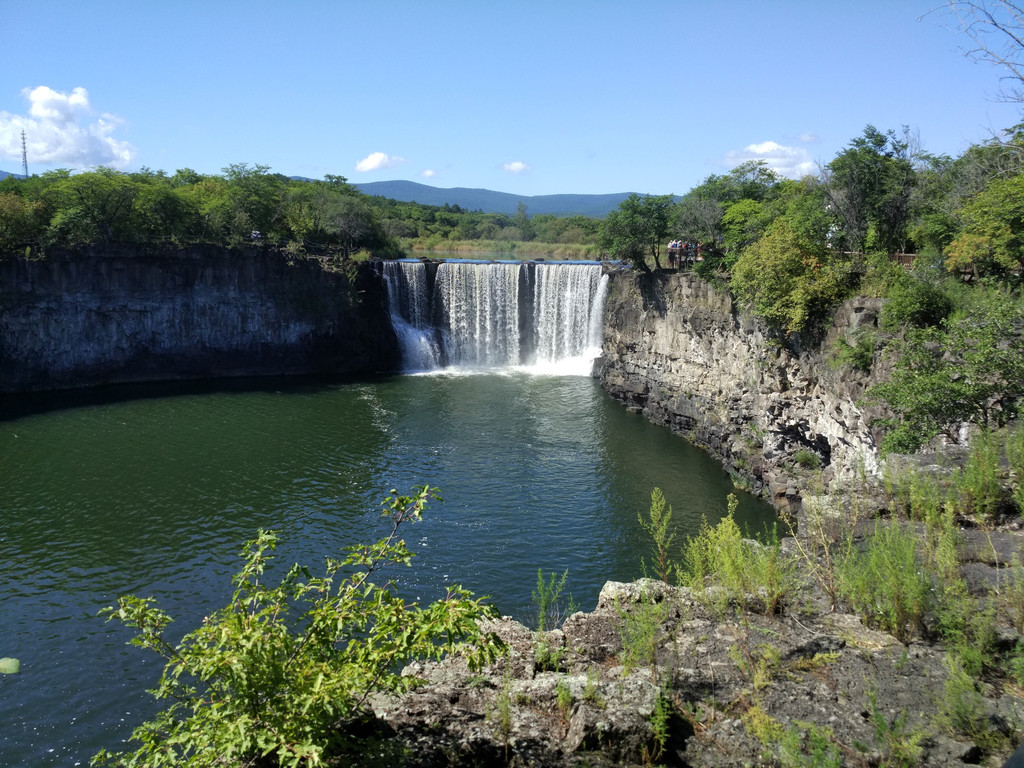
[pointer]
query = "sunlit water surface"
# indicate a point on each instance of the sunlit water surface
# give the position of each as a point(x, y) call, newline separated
point(152, 490)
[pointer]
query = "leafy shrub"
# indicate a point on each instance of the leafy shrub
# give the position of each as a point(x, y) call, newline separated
point(806, 458)
point(859, 354)
point(915, 302)
point(978, 485)
point(790, 281)
point(281, 675)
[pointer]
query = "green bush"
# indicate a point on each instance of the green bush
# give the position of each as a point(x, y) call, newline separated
point(978, 485)
point(724, 568)
point(281, 675)
point(915, 302)
point(885, 584)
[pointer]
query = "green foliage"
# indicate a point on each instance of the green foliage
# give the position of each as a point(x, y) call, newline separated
point(564, 699)
point(641, 630)
point(869, 186)
point(969, 370)
point(281, 675)
point(547, 597)
point(724, 568)
point(900, 746)
point(915, 302)
point(961, 709)
point(1015, 458)
point(857, 350)
point(790, 281)
point(885, 584)
point(660, 721)
point(992, 240)
point(657, 525)
point(807, 459)
point(800, 745)
point(979, 485)
point(637, 229)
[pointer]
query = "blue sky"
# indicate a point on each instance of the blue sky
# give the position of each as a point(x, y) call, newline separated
point(546, 97)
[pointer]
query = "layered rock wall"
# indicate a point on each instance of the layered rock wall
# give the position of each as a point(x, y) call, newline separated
point(117, 315)
point(677, 350)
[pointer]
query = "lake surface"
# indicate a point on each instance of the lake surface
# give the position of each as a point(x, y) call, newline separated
point(152, 490)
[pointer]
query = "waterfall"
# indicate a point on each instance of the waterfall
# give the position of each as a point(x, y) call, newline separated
point(455, 314)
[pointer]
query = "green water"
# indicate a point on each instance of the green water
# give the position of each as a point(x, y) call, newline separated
point(152, 490)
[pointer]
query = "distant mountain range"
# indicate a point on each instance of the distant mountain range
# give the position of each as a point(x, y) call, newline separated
point(488, 201)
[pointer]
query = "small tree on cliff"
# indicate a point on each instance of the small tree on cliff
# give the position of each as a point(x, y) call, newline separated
point(637, 229)
point(282, 674)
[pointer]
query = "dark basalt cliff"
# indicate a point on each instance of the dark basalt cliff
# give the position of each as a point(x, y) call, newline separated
point(109, 315)
point(677, 350)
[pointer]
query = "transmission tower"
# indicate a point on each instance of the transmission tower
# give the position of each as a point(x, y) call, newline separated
point(24, 154)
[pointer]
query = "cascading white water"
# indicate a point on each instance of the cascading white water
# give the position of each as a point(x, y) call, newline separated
point(409, 304)
point(545, 317)
point(479, 313)
point(568, 311)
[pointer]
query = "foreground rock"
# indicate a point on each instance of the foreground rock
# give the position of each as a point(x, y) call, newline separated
point(688, 689)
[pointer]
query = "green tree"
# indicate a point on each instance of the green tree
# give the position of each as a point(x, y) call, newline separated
point(93, 207)
point(637, 229)
point(869, 186)
point(281, 675)
point(21, 222)
point(969, 370)
point(256, 198)
point(791, 281)
point(992, 240)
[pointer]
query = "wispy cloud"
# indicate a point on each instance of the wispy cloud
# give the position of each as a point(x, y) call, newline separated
point(516, 166)
point(378, 160)
point(429, 173)
point(791, 162)
point(60, 129)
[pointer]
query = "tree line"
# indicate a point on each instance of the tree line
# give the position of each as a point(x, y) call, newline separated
point(248, 203)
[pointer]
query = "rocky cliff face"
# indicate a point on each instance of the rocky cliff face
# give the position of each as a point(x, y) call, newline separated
point(677, 350)
point(118, 315)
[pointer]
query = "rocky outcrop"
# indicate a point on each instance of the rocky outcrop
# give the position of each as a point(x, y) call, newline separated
point(652, 677)
point(677, 350)
point(117, 314)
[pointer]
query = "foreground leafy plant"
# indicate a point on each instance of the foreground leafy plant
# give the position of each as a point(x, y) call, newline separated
point(282, 674)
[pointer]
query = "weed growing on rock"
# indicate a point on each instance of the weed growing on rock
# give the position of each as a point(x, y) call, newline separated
point(885, 584)
point(900, 745)
point(961, 710)
point(641, 632)
point(564, 699)
point(657, 524)
point(723, 568)
point(547, 597)
point(978, 485)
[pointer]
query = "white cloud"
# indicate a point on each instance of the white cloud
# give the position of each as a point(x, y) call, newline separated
point(792, 162)
point(809, 138)
point(516, 167)
point(377, 160)
point(58, 131)
point(429, 173)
